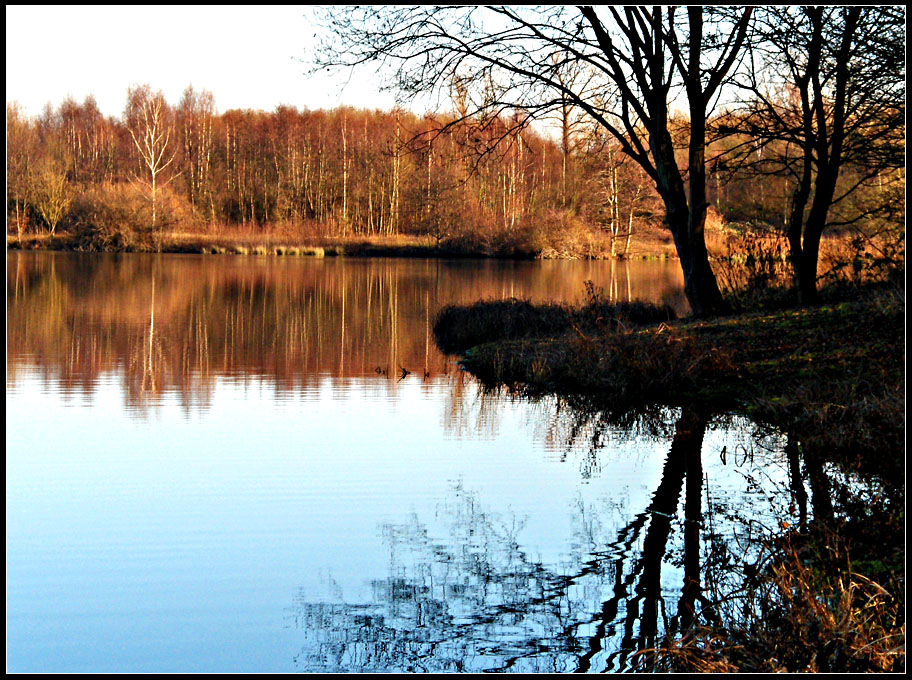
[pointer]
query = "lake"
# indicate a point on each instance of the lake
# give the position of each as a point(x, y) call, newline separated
point(264, 464)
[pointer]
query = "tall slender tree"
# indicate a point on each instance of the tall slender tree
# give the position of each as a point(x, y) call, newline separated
point(195, 114)
point(149, 121)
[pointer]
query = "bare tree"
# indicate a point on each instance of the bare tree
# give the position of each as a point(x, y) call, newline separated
point(570, 118)
point(637, 56)
point(20, 143)
point(621, 188)
point(149, 122)
point(825, 91)
point(196, 112)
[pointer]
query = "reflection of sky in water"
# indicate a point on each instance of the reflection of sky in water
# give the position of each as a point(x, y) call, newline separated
point(181, 540)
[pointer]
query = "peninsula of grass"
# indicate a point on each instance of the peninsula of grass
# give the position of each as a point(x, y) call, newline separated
point(832, 374)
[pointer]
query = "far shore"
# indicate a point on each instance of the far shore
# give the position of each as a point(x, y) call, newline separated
point(726, 242)
point(355, 245)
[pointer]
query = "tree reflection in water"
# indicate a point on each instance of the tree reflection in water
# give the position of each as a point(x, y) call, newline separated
point(293, 322)
point(476, 601)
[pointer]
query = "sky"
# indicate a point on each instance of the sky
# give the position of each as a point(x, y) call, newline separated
point(250, 57)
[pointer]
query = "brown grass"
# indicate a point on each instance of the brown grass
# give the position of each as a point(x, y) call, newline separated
point(802, 613)
point(281, 239)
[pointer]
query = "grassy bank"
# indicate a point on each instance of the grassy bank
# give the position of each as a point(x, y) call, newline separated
point(727, 245)
point(833, 374)
point(832, 377)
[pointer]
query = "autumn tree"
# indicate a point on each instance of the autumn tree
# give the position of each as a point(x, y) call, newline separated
point(637, 55)
point(51, 193)
point(570, 76)
point(618, 191)
point(485, 184)
point(195, 114)
point(89, 140)
point(20, 155)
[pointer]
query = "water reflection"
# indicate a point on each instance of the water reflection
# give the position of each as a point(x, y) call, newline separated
point(469, 597)
point(174, 324)
point(513, 535)
point(328, 339)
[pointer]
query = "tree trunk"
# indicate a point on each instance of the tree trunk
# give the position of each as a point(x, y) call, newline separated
point(700, 284)
point(629, 233)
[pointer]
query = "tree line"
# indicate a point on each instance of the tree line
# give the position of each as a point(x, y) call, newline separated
point(488, 179)
point(809, 138)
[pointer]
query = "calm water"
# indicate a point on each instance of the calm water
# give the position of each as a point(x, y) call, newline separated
point(217, 464)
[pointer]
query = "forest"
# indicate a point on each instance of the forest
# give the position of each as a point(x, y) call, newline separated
point(492, 186)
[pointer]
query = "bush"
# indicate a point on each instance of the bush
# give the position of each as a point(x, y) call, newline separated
point(755, 273)
point(458, 328)
point(601, 314)
point(555, 234)
point(801, 613)
point(118, 217)
point(861, 259)
point(560, 234)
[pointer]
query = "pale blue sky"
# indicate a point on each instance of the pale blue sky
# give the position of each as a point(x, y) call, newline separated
point(247, 56)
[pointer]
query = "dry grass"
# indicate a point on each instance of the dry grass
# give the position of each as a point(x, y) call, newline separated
point(39, 241)
point(802, 613)
point(290, 240)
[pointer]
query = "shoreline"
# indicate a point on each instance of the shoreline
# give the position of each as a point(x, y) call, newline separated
point(273, 244)
point(775, 366)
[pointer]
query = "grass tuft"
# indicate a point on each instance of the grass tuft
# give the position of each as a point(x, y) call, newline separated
point(458, 328)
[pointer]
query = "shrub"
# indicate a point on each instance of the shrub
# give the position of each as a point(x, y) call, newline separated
point(601, 314)
point(555, 234)
point(458, 328)
point(754, 272)
point(112, 217)
point(561, 234)
point(862, 259)
point(118, 217)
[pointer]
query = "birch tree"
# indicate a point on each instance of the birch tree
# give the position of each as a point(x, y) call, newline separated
point(149, 122)
point(196, 112)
